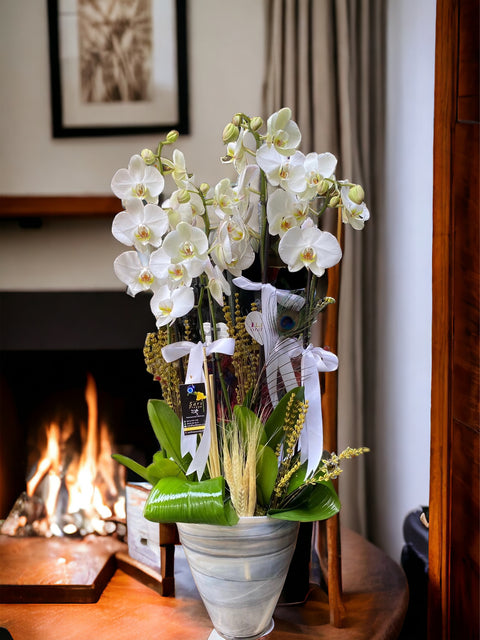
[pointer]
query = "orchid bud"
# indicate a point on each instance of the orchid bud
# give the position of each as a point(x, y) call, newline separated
point(256, 123)
point(148, 156)
point(237, 119)
point(357, 194)
point(230, 133)
point(183, 196)
point(172, 136)
point(334, 201)
point(204, 187)
point(323, 187)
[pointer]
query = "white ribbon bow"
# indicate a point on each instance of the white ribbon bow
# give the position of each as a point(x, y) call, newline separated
point(313, 361)
point(195, 373)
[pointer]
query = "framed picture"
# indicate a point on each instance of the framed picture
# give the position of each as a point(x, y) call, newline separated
point(118, 67)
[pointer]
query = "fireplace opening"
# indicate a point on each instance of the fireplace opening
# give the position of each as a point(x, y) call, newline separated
point(72, 377)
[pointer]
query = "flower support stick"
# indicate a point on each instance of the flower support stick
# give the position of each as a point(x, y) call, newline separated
point(214, 460)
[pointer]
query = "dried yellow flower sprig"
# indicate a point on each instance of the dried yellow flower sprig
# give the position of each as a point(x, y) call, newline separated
point(330, 469)
point(165, 373)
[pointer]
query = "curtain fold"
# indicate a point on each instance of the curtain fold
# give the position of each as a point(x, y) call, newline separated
point(325, 60)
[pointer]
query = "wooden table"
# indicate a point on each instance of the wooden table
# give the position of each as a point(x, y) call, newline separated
point(376, 598)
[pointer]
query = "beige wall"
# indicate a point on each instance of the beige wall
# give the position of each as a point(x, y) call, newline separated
point(226, 51)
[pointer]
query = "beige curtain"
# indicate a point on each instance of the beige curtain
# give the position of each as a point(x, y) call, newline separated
point(325, 60)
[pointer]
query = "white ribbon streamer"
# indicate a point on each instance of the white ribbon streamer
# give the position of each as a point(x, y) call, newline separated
point(195, 373)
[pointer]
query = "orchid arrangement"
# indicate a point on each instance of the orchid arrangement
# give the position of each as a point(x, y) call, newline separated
point(235, 274)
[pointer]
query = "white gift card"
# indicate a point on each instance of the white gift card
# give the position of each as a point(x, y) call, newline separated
point(253, 325)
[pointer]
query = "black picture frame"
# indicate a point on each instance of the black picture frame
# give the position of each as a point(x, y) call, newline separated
point(110, 118)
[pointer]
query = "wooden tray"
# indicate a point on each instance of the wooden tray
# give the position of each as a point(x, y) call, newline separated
point(56, 570)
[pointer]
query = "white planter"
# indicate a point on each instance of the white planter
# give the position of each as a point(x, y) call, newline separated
point(239, 571)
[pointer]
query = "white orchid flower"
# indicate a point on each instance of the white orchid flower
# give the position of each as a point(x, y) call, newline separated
point(177, 169)
point(318, 167)
point(225, 198)
point(231, 249)
point(138, 181)
point(309, 247)
point(282, 132)
point(352, 213)
point(187, 245)
point(217, 283)
point(167, 305)
point(140, 225)
point(172, 274)
point(190, 211)
point(236, 153)
point(284, 211)
point(289, 173)
point(133, 269)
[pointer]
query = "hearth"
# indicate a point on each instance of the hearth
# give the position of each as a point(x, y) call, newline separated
point(53, 346)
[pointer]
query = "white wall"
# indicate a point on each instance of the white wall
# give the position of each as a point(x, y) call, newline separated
point(401, 449)
point(226, 52)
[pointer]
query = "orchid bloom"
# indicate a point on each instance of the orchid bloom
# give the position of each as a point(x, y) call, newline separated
point(284, 211)
point(289, 173)
point(138, 181)
point(318, 167)
point(217, 283)
point(236, 153)
point(190, 211)
point(187, 245)
point(231, 248)
point(133, 269)
point(353, 213)
point(177, 169)
point(282, 132)
point(167, 305)
point(140, 225)
point(309, 247)
point(167, 272)
point(225, 198)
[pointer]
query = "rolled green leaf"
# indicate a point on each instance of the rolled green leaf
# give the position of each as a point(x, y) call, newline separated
point(314, 502)
point(173, 499)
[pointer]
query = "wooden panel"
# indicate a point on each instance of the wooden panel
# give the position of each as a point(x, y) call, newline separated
point(454, 476)
point(50, 206)
point(468, 67)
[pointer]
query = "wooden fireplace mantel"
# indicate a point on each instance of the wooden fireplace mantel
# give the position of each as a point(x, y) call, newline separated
point(376, 597)
point(58, 206)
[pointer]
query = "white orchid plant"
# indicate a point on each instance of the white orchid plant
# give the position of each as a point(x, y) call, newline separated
point(235, 274)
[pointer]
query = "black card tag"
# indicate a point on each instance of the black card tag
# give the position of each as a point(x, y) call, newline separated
point(193, 401)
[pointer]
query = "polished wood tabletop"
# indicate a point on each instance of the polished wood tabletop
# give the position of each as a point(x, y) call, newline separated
point(375, 589)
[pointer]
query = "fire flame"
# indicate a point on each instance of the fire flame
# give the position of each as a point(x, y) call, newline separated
point(91, 479)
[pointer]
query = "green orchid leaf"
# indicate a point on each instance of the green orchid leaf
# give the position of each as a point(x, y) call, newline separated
point(267, 470)
point(167, 428)
point(132, 465)
point(162, 467)
point(274, 424)
point(314, 502)
point(298, 478)
point(174, 499)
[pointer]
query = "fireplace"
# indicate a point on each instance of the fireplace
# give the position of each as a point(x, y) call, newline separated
point(51, 345)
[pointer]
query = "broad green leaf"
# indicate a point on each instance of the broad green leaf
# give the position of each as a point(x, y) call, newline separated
point(274, 424)
point(132, 465)
point(162, 467)
point(177, 500)
point(315, 502)
point(267, 470)
point(167, 428)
